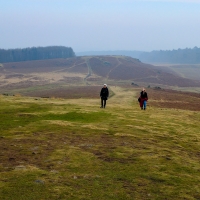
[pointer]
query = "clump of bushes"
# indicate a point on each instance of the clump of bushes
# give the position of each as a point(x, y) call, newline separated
point(134, 84)
point(157, 88)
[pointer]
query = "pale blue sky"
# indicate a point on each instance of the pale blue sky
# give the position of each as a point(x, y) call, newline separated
point(87, 25)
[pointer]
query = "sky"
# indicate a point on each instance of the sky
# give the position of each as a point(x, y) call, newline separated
point(100, 25)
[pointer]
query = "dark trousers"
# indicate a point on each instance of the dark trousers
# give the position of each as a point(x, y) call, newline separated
point(103, 102)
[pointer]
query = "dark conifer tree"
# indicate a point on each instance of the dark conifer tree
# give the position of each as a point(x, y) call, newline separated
point(35, 53)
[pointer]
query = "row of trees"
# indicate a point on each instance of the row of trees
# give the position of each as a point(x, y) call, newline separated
point(35, 53)
point(183, 56)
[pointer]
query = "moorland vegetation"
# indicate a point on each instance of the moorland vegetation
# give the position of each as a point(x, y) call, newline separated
point(30, 76)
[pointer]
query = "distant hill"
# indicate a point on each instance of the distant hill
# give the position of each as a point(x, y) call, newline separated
point(180, 56)
point(127, 68)
point(94, 69)
point(133, 54)
point(35, 53)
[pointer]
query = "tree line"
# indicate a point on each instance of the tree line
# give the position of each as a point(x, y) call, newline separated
point(182, 56)
point(179, 56)
point(35, 53)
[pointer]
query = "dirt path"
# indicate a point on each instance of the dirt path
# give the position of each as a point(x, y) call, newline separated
point(119, 63)
point(123, 97)
point(89, 69)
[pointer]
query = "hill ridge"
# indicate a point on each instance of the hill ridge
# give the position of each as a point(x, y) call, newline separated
point(92, 70)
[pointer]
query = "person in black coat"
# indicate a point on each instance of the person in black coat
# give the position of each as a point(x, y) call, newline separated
point(104, 94)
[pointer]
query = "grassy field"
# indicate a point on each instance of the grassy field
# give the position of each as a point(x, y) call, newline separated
point(71, 149)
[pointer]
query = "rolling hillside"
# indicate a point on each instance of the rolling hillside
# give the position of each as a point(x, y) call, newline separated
point(92, 70)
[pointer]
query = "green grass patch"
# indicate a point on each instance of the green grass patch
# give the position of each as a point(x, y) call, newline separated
point(79, 117)
point(72, 149)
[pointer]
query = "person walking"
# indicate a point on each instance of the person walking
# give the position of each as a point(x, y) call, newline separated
point(104, 94)
point(143, 99)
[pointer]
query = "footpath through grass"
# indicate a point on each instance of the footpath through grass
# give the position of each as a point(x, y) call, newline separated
point(72, 149)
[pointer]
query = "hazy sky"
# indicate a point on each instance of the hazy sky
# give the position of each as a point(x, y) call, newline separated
point(87, 25)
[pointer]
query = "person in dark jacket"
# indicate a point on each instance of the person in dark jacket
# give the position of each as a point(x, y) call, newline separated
point(104, 94)
point(143, 99)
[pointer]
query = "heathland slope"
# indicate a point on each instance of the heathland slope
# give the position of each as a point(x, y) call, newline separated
point(87, 70)
point(72, 149)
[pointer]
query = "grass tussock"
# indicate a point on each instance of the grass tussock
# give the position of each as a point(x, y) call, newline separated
point(72, 149)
